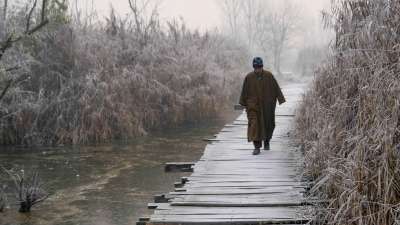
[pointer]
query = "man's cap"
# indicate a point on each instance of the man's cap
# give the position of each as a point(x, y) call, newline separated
point(258, 62)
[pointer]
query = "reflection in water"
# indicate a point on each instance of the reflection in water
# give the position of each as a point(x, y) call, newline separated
point(103, 185)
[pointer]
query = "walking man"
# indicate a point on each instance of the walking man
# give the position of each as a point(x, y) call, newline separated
point(259, 96)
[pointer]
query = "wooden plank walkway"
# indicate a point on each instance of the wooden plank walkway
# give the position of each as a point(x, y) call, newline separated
point(231, 186)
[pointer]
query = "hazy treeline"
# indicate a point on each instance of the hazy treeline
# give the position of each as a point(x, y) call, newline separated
point(281, 31)
point(80, 80)
point(349, 122)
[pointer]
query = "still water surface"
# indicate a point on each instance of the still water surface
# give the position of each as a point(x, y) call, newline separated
point(103, 185)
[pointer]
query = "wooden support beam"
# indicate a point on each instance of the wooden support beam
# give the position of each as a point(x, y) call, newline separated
point(143, 221)
point(178, 184)
point(152, 205)
point(160, 198)
point(184, 180)
point(179, 167)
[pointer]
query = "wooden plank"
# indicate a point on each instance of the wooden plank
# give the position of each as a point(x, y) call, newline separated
point(247, 183)
point(244, 204)
point(179, 167)
point(263, 212)
point(242, 199)
point(160, 198)
point(235, 192)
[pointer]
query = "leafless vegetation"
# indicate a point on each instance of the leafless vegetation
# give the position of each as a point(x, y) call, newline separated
point(28, 188)
point(8, 37)
point(349, 122)
point(231, 10)
point(87, 81)
point(275, 30)
point(309, 58)
point(265, 26)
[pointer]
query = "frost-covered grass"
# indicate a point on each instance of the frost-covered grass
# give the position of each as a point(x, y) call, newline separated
point(91, 82)
point(349, 122)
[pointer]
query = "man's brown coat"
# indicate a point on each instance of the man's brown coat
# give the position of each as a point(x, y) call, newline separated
point(259, 95)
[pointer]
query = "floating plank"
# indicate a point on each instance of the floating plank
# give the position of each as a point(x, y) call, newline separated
point(160, 198)
point(143, 220)
point(179, 167)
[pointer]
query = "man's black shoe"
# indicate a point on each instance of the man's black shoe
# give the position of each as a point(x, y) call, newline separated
point(256, 151)
point(266, 146)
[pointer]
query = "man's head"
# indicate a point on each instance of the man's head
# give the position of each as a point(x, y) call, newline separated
point(258, 64)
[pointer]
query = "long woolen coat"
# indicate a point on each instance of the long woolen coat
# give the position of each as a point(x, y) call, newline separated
point(259, 95)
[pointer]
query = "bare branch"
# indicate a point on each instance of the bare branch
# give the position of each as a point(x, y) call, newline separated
point(3, 93)
point(28, 31)
point(38, 27)
point(43, 13)
point(29, 17)
point(4, 46)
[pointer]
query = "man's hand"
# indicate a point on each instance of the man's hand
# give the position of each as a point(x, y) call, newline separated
point(239, 107)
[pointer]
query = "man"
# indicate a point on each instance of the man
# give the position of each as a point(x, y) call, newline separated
point(259, 95)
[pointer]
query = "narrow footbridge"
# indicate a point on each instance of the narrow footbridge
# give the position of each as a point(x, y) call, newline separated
point(231, 186)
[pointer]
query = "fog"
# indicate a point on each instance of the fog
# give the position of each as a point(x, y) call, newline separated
point(198, 14)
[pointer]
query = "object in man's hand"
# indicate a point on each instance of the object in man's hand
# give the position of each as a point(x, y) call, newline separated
point(239, 107)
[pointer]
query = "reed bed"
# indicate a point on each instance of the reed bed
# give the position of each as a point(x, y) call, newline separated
point(349, 122)
point(84, 81)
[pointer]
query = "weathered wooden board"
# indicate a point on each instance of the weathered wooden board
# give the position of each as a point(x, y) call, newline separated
point(231, 186)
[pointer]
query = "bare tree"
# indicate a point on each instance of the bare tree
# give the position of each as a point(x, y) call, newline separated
point(83, 16)
point(231, 10)
point(10, 38)
point(145, 13)
point(253, 11)
point(29, 191)
point(276, 29)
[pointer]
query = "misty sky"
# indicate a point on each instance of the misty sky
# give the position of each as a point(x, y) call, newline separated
point(202, 14)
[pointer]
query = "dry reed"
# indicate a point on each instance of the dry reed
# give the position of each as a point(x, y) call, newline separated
point(349, 122)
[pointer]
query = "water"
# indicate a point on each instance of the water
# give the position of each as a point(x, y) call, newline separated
point(103, 185)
